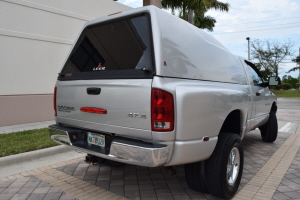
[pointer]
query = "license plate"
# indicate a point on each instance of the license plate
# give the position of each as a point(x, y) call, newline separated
point(96, 139)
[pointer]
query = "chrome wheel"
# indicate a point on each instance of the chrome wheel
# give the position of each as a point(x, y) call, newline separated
point(233, 166)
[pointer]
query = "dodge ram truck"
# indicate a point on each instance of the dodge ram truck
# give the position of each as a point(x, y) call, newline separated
point(144, 87)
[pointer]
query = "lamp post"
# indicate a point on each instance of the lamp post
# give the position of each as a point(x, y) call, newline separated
point(247, 38)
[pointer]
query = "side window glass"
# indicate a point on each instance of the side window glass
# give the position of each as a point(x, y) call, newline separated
point(255, 77)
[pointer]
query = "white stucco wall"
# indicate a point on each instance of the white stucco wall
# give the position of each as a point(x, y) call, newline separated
point(36, 36)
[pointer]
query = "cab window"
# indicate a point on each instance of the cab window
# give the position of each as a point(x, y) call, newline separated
point(256, 78)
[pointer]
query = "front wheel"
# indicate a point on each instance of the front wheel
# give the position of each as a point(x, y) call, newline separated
point(269, 130)
point(223, 170)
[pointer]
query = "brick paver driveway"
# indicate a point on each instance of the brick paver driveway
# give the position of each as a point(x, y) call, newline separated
point(76, 179)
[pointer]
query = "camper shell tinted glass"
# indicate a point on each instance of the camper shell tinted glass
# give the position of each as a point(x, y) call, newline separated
point(119, 48)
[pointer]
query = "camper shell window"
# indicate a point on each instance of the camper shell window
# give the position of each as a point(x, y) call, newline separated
point(119, 48)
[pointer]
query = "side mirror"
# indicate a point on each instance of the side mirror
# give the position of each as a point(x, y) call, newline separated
point(274, 81)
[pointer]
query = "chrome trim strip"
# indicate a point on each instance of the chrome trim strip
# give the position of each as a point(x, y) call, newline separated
point(120, 152)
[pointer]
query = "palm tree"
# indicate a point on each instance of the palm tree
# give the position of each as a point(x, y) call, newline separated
point(199, 8)
point(296, 60)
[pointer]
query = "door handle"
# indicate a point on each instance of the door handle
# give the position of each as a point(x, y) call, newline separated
point(258, 93)
point(93, 91)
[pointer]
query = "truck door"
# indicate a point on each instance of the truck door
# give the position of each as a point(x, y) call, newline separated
point(260, 94)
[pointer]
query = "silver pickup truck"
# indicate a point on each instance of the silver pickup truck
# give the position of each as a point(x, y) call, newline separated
point(146, 88)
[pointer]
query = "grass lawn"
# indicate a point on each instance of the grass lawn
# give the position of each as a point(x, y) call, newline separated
point(286, 93)
point(20, 142)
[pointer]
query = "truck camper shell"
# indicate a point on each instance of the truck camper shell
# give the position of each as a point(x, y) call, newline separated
point(178, 49)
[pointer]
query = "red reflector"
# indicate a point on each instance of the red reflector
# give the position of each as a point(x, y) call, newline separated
point(205, 139)
point(54, 101)
point(93, 110)
point(162, 110)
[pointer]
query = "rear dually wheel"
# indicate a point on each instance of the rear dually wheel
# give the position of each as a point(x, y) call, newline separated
point(223, 170)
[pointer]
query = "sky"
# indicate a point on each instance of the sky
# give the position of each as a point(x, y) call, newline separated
point(258, 19)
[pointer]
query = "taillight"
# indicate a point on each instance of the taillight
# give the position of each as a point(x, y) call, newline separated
point(54, 101)
point(162, 110)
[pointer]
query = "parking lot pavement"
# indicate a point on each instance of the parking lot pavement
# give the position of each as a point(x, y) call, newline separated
point(76, 179)
point(288, 103)
point(288, 115)
point(288, 110)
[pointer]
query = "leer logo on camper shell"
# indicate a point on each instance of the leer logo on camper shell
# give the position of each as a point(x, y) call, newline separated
point(99, 67)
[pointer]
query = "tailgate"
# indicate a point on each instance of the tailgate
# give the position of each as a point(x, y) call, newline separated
point(127, 102)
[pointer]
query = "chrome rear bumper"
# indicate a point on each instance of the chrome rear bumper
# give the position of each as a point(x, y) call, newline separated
point(120, 150)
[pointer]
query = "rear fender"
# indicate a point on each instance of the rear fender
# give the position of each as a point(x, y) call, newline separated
point(201, 111)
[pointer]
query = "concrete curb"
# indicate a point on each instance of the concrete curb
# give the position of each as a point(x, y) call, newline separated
point(33, 155)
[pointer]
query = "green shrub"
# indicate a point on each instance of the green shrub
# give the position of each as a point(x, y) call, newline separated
point(287, 93)
point(285, 86)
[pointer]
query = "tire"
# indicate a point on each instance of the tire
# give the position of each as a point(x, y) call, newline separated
point(194, 174)
point(221, 182)
point(269, 130)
